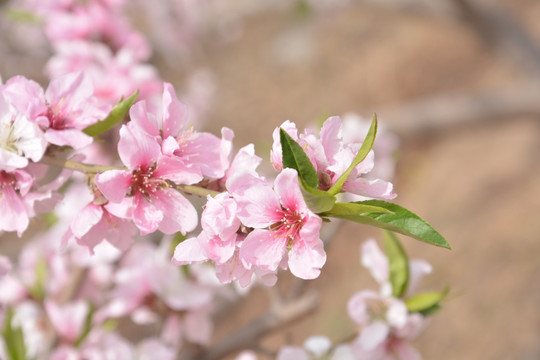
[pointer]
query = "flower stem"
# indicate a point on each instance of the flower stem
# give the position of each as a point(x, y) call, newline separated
point(96, 169)
point(77, 166)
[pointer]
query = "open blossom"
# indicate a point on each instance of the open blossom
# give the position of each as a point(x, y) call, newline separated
point(386, 325)
point(20, 139)
point(331, 156)
point(94, 224)
point(144, 191)
point(202, 154)
point(114, 75)
point(285, 230)
point(65, 109)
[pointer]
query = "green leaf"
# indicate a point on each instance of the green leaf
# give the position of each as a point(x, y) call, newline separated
point(24, 16)
point(360, 156)
point(431, 310)
point(87, 326)
point(13, 338)
point(317, 200)
point(41, 271)
point(425, 301)
point(398, 220)
point(398, 264)
point(353, 209)
point(293, 156)
point(117, 114)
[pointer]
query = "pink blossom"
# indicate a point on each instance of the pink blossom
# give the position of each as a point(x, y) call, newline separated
point(203, 154)
point(145, 191)
point(63, 110)
point(95, 224)
point(14, 187)
point(284, 228)
point(5, 265)
point(20, 139)
point(114, 75)
point(331, 156)
point(68, 319)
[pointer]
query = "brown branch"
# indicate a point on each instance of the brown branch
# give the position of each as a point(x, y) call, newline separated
point(277, 317)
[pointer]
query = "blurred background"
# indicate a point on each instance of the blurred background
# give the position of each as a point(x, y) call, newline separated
point(458, 81)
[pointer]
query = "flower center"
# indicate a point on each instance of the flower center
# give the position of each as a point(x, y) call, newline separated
point(289, 225)
point(144, 182)
point(7, 180)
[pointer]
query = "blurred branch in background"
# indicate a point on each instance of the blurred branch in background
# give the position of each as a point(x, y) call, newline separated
point(507, 38)
point(441, 112)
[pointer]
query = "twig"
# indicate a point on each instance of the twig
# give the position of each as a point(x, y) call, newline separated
point(501, 31)
point(279, 315)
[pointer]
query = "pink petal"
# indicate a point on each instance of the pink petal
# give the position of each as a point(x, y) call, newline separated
point(263, 249)
point(374, 334)
point(71, 88)
point(376, 189)
point(331, 137)
point(179, 214)
point(375, 261)
point(137, 149)
point(306, 261)
point(113, 184)
point(175, 169)
point(357, 306)
point(292, 353)
point(287, 188)
point(14, 215)
point(188, 251)
point(139, 116)
point(146, 215)
point(88, 217)
point(257, 205)
point(174, 112)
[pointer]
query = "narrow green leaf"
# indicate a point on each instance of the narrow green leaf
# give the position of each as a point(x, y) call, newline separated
point(24, 16)
point(398, 220)
point(117, 114)
point(431, 310)
point(360, 156)
point(293, 156)
point(317, 200)
point(41, 272)
point(398, 264)
point(354, 209)
point(424, 301)
point(13, 338)
point(87, 326)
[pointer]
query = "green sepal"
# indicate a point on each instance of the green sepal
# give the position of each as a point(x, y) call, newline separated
point(294, 157)
point(399, 220)
point(117, 114)
point(426, 302)
point(13, 337)
point(360, 156)
point(317, 200)
point(398, 264)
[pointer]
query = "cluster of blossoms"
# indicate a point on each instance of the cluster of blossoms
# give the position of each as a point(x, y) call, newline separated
point(250, 226)
point(386, 325)
point(125, 245)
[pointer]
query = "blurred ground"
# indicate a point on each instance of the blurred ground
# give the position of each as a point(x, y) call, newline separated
point(478, 184)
